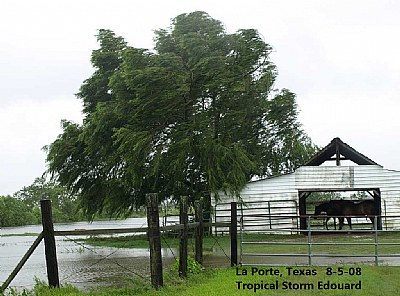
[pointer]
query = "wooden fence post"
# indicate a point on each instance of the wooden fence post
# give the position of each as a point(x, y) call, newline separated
point(183, 244)
point(233, 233)
point(199, 232)
point(49, 243)
point(154, 237)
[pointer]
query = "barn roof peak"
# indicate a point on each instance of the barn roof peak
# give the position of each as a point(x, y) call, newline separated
point(337, 150)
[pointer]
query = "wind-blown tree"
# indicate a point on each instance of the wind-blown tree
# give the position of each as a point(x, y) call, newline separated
point(196, 115)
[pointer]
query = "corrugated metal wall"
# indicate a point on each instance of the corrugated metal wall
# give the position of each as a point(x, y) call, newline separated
point(282, 191)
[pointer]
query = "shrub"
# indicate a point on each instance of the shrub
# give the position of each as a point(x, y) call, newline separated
point(193, 267)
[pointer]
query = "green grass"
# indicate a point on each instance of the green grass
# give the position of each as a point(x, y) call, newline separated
point(358, 244)
point(140, 241)
point(20, 234)
point(375, 281)
point(137, 241)
point(224, 242)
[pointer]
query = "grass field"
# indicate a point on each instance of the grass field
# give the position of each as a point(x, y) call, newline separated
point(366, 280)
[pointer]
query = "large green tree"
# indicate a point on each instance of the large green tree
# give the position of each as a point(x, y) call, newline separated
point(196, 115)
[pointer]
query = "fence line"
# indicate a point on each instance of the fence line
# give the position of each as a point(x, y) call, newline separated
point(310, 254)
point(156, 278)
point(281, 213)
point(222, 212)
point(235, 220)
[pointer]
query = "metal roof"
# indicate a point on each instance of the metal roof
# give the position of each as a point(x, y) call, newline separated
point(342, 151)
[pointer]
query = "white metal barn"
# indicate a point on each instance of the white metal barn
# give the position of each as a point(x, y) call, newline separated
point(287, 194)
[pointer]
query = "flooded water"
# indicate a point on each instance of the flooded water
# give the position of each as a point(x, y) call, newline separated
point(81, 265)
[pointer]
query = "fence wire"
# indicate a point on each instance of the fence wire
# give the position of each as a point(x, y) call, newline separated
point(102, 258)
point(318, 243)
point(72, 271)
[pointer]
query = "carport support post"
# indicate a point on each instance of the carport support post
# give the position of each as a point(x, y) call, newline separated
point(233, 233)
point(153, 234)
point(302, 210)
point(49, 243)
point(377, 206)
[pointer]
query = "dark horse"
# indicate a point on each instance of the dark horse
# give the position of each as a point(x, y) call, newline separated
point(342, 208)
point(362, 208)
point(333, 209)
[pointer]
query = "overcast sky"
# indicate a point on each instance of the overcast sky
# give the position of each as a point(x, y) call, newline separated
point(341, 58)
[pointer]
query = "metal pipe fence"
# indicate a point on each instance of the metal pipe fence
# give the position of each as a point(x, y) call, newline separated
point(281, 209)
point(313, 237)
point(279, 214)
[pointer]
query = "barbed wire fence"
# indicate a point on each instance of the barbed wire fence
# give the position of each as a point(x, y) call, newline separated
point(77, 273)
point(108, 257)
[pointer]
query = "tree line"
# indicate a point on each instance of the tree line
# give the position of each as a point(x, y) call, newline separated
point(23, 207)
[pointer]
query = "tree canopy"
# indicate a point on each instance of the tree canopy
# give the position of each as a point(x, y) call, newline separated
point(23, 207)
point(195, 115)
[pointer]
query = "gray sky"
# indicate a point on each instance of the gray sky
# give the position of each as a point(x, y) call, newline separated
point(340, 57)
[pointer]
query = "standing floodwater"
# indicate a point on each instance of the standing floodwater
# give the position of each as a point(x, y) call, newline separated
point(81, 265)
